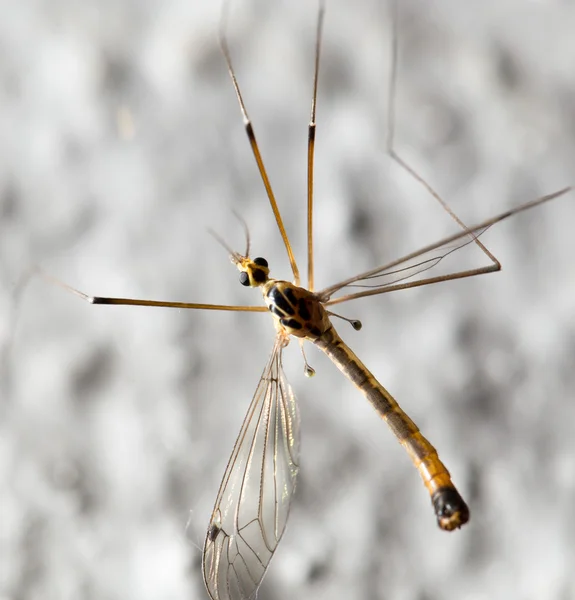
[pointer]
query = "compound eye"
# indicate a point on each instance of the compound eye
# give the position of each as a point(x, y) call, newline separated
point(261, 262)
point(244, 278)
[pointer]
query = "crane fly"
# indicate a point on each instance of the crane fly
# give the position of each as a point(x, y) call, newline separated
point(254, 498)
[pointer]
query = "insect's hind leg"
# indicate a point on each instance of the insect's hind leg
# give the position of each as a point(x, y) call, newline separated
point(390, 143)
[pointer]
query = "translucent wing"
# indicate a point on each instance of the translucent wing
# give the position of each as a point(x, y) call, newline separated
point(402, 273)
point(254, 498)
point(406, 269)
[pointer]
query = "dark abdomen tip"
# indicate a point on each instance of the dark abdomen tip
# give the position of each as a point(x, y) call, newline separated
point(450, 508)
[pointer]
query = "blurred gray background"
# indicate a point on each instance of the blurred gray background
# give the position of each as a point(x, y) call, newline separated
point(121, 143)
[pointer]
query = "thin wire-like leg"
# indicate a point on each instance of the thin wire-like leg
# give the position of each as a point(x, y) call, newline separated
point(496, 265)
point(155, 303)
point(311, 147)
point(394, 275)
point(443, 247)
point(254, 145)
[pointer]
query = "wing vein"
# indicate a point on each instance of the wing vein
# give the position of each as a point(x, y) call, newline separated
point(252, 505)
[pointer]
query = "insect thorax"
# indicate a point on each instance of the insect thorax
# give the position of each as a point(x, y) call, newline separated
point(296, 309)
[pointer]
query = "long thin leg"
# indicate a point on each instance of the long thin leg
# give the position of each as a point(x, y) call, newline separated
point(496, 265)
point(471, 233)
point(394, 267)
point(311, 147)
point(155, 303)
point(254, 145)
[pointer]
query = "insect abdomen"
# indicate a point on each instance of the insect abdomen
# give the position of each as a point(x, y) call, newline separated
point(450, 508)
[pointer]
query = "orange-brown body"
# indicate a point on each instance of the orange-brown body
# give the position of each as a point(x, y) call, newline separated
point(300, 313)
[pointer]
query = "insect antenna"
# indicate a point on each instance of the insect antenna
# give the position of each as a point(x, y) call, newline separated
point(246, 231)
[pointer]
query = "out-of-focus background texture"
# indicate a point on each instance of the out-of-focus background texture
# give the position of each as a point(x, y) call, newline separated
point(121, 143)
